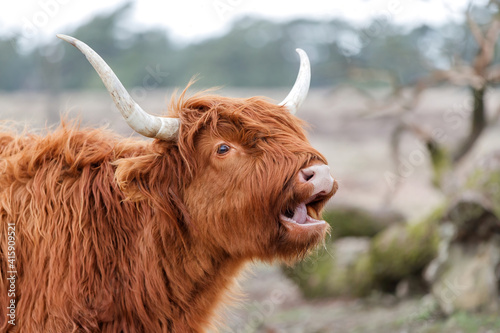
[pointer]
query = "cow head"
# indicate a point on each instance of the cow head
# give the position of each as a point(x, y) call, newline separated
point(250, 183)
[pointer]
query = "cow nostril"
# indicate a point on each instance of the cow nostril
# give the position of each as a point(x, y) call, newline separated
point(306, 175)
point(319, 177)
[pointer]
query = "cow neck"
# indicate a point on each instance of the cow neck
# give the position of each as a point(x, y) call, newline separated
point(196, 279)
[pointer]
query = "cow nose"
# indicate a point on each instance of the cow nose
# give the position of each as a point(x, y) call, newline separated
point(319, 176)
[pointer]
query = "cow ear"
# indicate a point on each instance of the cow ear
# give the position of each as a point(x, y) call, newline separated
point(152, 177)
point(134, 175)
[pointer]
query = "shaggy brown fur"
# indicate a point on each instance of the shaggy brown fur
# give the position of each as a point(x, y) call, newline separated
point(122, 235)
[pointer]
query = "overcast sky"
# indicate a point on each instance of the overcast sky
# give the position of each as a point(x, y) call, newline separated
point(190, 20)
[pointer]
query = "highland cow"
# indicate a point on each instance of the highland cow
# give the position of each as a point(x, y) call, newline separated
point(101, 233)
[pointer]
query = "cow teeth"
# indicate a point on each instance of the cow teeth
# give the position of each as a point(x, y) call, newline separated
point(300, 216)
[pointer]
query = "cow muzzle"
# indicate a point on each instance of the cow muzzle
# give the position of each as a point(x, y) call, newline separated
point(319, 177)
point(323, 186)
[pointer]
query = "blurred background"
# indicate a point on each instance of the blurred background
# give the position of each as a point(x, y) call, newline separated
point(404, 104)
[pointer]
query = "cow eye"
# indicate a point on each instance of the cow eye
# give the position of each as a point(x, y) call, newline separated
point(223, 149)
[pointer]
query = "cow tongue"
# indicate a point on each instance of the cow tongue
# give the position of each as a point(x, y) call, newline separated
point(300, 214)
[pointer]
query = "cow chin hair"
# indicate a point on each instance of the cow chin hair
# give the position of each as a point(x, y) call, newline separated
point(290, 251)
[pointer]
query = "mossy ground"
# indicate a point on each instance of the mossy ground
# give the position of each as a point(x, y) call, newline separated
point(463, 322)
point(379, 313)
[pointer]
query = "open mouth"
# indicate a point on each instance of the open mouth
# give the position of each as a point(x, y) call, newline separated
point(301, 214)
point(306, 213)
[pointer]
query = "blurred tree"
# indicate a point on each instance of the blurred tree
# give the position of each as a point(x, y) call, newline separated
point(15, 67)
point(100, 32)
point(254, 52)
point(474, 67)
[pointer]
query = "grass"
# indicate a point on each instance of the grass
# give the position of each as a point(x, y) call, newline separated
point(464, 322)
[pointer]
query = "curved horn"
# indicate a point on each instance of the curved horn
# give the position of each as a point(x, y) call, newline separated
point(140, 121)
point(299, 91)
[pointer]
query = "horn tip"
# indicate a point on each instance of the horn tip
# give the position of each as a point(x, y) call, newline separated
point(302, 54)
point(67, 38)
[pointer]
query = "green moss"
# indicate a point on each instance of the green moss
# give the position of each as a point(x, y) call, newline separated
point(397, 252)
point(356, 222)
point(387, 253)
point(362, 278)
point(401, 250)
point(441, 163)
point(314, 274)
point(488, 184)
point(328, 274)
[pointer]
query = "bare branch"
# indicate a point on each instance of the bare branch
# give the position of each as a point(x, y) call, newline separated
point(495, 117)
point(487, 48)
point(495, 3)
point(440, 160)
point(460, 76)
point(493, 74)
point(477, 126)
point(475, 29)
